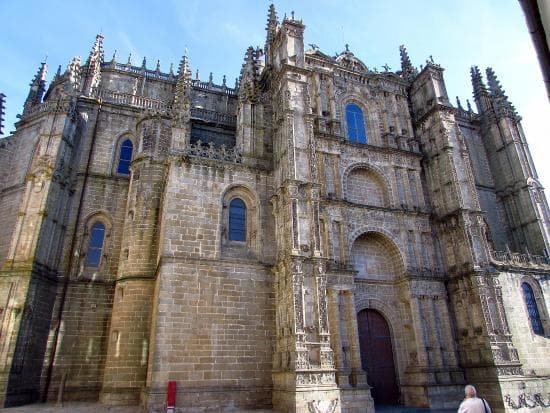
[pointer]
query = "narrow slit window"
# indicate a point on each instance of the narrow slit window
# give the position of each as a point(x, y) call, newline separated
point(532, 309)
point(356, 124)
point(237, 220)
point(125, 157)
point(95, 246)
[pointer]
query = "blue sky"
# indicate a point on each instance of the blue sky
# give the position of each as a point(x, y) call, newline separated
point(216, 33)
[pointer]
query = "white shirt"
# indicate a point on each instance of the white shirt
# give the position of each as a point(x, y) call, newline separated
point(473, 405)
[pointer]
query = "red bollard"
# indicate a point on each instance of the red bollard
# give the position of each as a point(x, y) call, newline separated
point(171, 397)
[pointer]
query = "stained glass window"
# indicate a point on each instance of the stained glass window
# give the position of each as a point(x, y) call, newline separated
point(532, 310)
point(237, 220)
point(125, 157)
point(95, 246)
point(356, 124)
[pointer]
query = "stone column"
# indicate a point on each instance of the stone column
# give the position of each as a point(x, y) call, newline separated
point(358, 375)
point(335, 317)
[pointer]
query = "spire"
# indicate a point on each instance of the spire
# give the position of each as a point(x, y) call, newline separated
point(501, 104)
point(58, 73)
point(272, 23)
point(477, 82)
point(248, 82)
point(182, 93)
point(75, 74)
point(96, 55)
point(92, 73)
point(481, 95)
point(408, 71)
point(271, 28)
point(38, 87)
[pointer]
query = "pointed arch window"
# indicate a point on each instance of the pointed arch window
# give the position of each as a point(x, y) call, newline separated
point(356, 124)
point(125, 157)
point(532, 309)
point(95, 245)
point(237, 220)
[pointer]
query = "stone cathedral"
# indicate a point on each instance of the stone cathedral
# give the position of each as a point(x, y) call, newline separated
point(321, 238)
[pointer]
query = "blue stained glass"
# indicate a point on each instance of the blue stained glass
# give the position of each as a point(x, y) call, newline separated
point(532, 310)
point(125, 157)
point(356, 124)
point(95, 246)
point(237, 220)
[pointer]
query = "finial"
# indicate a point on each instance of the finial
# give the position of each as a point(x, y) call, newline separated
point(129, 59)
point(171, 69)
point(144, 62)
point(386, 67)
point(113, 60)
point(223, 81)
point(347, 47)
point(158, 65)
point(197, 74)
point(468, 105)
point(292, 15)
point(458, 104)
point(236, 83)
point(210, 78)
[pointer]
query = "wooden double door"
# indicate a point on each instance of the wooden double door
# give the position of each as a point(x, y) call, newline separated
point(377, 356)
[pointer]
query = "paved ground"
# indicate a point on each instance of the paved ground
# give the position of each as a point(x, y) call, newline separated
point(73, 407)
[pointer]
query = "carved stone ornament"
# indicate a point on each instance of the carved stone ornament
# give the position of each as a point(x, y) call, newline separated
point(526, 400)
point(322, 406)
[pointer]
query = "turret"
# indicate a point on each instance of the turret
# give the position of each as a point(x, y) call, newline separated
point(507, 150)
point(92, 70)
point(290, 49)
point(37, 90)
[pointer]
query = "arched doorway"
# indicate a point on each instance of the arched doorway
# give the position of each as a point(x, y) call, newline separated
point(377, 356)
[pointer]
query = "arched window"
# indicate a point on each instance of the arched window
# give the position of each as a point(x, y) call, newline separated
point(125, 157)
point(532, 310)
point(95, 245)
point(356, 124)
point(237, 220)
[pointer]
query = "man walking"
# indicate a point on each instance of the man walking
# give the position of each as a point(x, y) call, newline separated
point(471, 403)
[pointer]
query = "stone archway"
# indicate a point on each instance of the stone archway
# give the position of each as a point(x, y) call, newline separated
point(377, 356)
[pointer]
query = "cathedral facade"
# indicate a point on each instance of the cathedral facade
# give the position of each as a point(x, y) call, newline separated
point(320, 238)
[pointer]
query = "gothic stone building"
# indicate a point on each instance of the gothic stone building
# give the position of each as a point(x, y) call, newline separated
point(321, 238)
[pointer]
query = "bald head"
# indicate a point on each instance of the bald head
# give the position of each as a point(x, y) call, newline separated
point(470, 391)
